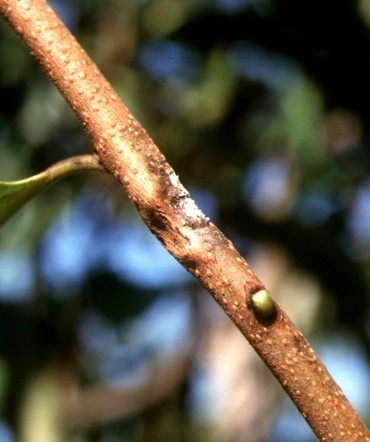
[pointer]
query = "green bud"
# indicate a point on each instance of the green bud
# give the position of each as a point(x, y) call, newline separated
point(263, 305)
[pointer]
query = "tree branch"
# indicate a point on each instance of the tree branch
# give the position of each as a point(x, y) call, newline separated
point(127, 152)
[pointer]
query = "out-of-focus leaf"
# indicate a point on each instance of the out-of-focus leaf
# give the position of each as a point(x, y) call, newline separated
point(208, 103)
point(14, 194)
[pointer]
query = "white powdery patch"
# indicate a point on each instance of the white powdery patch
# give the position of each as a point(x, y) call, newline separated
point(174, 180)
point(191, 210)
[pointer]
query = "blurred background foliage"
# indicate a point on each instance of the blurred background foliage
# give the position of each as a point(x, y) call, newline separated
point(262, 108)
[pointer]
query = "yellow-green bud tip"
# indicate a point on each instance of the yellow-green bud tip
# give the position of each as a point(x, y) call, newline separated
point(263, 305)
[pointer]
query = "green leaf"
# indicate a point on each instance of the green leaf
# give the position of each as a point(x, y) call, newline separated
point(15, 194)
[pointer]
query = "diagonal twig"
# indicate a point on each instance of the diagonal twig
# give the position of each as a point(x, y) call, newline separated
point(124, 148)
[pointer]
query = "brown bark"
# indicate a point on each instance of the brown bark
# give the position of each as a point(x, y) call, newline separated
point(128, 153)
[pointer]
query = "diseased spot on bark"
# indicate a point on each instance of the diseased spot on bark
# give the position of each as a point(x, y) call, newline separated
point(190, 264)
point(181, 202)
point(156, 221)
point(158, 168)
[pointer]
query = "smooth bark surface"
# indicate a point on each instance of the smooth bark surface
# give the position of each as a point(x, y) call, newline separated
point(127, 152)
